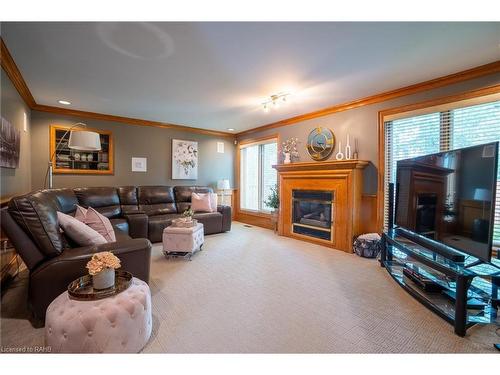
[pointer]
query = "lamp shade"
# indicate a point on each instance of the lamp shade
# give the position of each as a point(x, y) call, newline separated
point(482, 194)
point(223, 185)
point(83, 140)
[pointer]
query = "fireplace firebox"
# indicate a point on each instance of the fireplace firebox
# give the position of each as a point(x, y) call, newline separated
point(312, 213)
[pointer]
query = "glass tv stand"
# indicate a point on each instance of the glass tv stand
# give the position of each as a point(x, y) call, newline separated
point(462, 293)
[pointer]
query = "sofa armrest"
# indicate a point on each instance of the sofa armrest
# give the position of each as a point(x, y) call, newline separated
point(137, 225)
point(226, 217)
point(52, 278)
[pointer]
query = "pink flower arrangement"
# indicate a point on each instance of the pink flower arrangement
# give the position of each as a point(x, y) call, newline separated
point(101, 261)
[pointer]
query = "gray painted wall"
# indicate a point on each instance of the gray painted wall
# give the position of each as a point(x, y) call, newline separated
point(131, 140)
point(12, 108)
point(362, 123)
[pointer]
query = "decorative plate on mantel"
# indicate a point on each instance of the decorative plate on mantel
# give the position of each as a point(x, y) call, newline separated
point(320, 143)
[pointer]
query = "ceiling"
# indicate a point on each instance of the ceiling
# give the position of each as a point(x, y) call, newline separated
point(216, 75)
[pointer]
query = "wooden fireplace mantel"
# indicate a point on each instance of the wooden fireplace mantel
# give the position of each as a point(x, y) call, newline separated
point(343, 178)
point(322, 165)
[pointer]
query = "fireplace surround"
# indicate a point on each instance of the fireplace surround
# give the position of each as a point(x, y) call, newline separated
point(321, 201)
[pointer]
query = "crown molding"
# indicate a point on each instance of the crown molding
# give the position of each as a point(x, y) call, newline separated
point(464, 75)
point(10, 67)
point(127, 120)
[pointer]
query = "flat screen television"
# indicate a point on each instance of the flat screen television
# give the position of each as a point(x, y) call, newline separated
point(449, 197)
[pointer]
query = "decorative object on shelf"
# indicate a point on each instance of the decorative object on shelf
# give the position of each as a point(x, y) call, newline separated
point(73, 150)
point(355, 155)
point(340, 155)
point(139, 164)
point(275, 100)
point(289, 150)
point(184, 160)
point(320, 143)
point(11, 145)
point(348, 149)
point(223, 186)
point(102, 268)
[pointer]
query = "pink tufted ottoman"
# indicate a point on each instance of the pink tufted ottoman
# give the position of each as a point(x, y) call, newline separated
point(118, 324)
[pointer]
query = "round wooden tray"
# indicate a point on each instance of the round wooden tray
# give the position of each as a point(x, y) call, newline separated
point(81, 289)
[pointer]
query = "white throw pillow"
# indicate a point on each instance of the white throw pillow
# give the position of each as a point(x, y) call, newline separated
point(79, 232)
point(200, 202)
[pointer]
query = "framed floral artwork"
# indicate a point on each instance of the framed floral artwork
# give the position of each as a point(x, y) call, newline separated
point(184, 160)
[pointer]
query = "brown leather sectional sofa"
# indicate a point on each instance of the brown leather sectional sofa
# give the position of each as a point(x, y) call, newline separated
point(138, 214)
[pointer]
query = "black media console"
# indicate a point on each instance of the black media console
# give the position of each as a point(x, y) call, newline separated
point(459, 288)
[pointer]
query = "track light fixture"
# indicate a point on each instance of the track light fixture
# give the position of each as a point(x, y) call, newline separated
point(275, 101)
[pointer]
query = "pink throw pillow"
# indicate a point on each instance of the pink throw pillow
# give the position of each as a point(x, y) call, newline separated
point(101, 224)
point(80, 213)
point(82, 234)
point(200, 202)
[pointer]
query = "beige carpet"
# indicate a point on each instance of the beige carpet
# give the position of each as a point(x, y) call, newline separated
point(251, 291)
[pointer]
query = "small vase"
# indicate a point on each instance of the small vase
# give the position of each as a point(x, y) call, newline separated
point(104, 279)
point(287, 158)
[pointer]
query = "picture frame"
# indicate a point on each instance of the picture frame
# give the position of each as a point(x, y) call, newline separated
point(184, 160)
point(139, 164)
point(10, 145)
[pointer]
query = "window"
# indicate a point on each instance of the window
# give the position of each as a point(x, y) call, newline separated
point(446, 129)
point(257, 176)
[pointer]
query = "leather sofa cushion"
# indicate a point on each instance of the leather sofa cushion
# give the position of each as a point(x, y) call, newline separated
point(212, 221)
point(105, 200)
point(36, 213)
point(157, 223)
point(156, 200)
point(120, 225)
point(128, 199)
point(65, 199)
point(183, 195)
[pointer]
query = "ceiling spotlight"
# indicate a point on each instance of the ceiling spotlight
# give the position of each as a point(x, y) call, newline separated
point(274, 101)
point(230, 129)
point(65, 102)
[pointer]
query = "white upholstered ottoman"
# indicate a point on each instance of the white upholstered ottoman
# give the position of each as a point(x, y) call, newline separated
point(118, 324)
point(179, 241)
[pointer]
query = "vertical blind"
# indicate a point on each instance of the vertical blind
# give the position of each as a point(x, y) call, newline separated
point(441, 131)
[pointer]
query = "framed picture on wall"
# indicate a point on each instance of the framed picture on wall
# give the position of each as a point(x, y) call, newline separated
point(10, 145)
point(184, 160)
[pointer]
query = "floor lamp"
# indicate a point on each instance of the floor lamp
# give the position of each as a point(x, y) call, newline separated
point(81, 140)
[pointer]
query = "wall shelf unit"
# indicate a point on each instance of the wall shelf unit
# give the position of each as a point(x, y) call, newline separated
point(68, 161)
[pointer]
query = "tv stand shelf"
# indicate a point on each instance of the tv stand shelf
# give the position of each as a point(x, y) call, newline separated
point(470, 289)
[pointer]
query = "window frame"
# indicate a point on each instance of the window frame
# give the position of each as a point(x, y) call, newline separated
point(274, 138)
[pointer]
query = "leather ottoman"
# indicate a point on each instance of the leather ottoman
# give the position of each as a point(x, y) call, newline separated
point(179, 241)
point(118, 324)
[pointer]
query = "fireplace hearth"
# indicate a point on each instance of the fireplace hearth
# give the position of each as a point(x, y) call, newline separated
point(312, 213)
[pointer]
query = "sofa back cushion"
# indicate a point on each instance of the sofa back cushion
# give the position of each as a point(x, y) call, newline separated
point(183, 195)
point(104, 200)
point(156, 200)
point(36, 214)
point(65, 199)
point(128, 199)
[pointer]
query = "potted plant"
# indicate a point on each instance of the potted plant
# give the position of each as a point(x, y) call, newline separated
point(102, 268)
point(273, 201)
